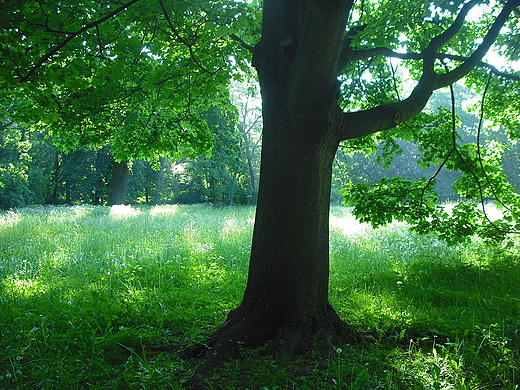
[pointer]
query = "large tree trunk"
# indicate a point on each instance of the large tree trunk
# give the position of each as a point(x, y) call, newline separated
point(285, 305)
point(286, 300)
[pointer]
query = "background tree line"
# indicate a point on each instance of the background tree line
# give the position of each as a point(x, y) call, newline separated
point(33, 170)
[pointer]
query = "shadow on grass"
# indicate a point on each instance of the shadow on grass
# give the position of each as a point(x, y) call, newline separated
point(462, 309)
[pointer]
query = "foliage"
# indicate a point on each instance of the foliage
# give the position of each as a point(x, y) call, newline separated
point(37, 172)
point(466, 134)
point(34, 171)
point(110, 295)
point(137, 75)
point(409, 200)
point(444, 142)
point(245, 96)
point(219, 179)
point(14, 186)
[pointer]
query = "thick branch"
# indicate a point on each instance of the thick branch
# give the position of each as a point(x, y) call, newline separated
point(64, 43)
point(468, 65)
point(357, 124)
point(440, 40)
point(242, 43)
point(386, 52)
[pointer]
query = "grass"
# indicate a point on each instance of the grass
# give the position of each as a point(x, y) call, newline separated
point(104, 298)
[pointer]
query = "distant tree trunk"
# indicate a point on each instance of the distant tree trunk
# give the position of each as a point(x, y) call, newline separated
point(99, 191)
point(96, 197)
point(118, 183)
point(68, 197)
point(160, 182)
point(53, 197)
point(252, 178)
point(248, 147)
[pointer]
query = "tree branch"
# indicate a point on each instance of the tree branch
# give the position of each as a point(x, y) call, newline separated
point(383, 51)
point(357, 124)
point(430, 52)
point(189, 45)
point(346, 54)
point(468, 65)
point(73, 35)
point(242, 43)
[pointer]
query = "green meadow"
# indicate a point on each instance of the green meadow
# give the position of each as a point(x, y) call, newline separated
point(107, 298)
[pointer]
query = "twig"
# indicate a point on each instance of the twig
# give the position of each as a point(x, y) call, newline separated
point(189, 45)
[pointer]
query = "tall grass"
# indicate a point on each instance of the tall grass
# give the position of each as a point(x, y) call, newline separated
point(99, 297)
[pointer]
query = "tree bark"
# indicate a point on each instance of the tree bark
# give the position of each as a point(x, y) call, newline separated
point(289, 265)
point(286, 300)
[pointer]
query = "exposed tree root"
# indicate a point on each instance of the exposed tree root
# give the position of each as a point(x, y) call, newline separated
point(279, 336)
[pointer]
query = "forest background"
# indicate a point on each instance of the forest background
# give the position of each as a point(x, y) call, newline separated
point(34, 171)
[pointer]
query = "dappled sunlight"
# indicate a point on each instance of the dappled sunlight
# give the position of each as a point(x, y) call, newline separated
point(234, 228)
point(207, 273)
point(81, 211)
point(195, 241)
point(59, 258)
point(123, 211)
point(169, 210)
point(9, 219)
point(22, 288)
point(490, 209)
point(372, 305)
point(135, 296)
point(230, 226)
point(348, 224)
point(65, 213)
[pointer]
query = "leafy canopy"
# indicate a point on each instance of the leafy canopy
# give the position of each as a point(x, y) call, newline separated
point(390, 41)
point(137, 75)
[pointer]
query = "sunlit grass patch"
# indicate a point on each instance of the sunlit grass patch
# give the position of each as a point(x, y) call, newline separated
point(17, 288)
point(169, 210)
point(9, 219)
point(123, 211)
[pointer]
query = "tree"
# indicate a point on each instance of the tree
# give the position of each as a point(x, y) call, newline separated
point(323, 78)
point(14, 183)
point(217, 179)
point(304, 49)
point(245, 98)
